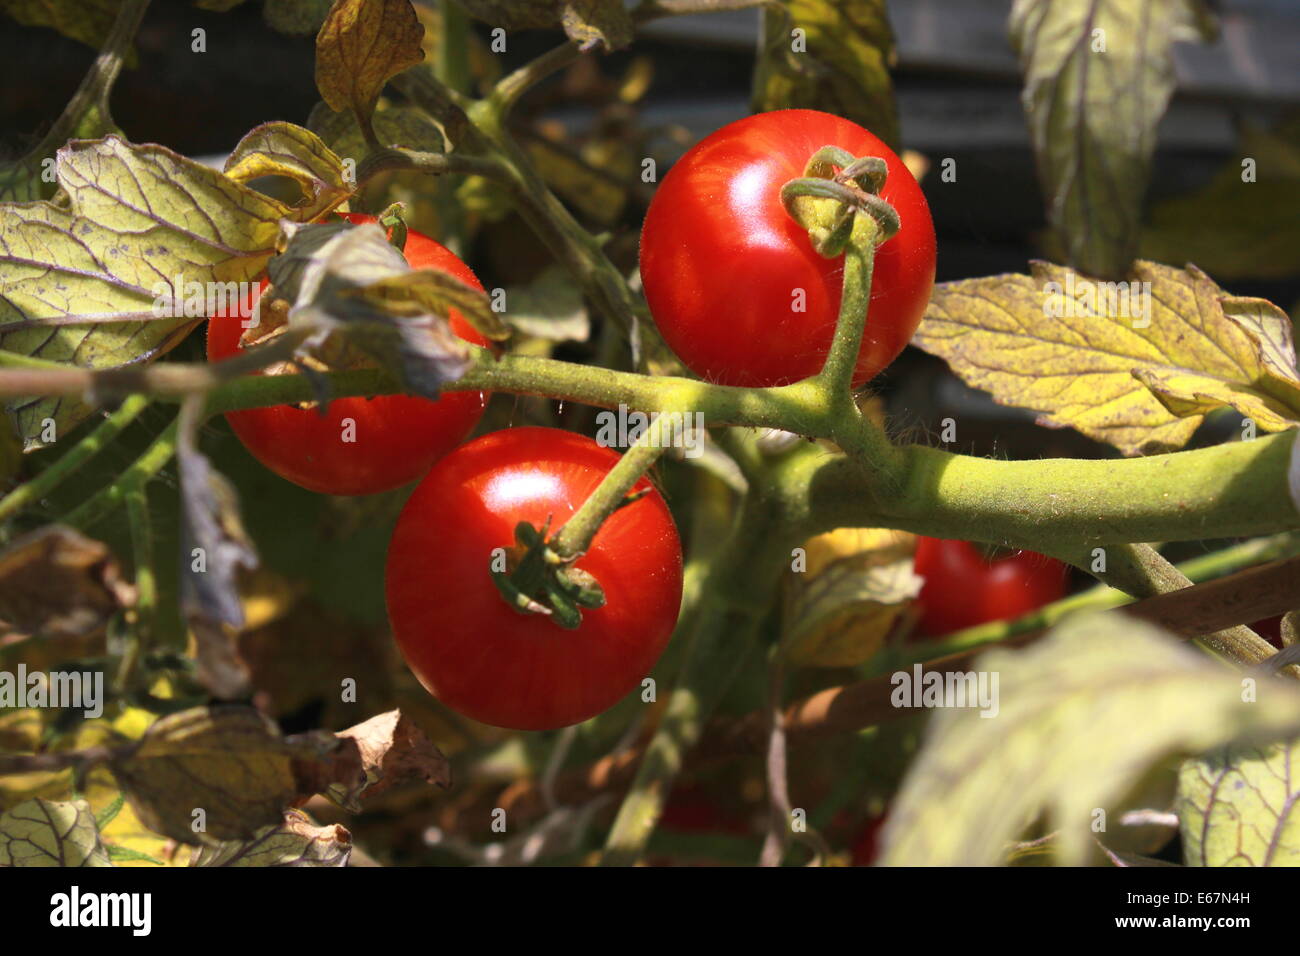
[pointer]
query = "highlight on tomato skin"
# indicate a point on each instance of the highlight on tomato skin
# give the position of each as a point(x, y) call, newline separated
point(963, 588)
point(359, 445)
point(474, 652)
point(733, 283)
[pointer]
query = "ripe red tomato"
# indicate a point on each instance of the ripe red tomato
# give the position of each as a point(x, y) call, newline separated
point(962, 588)
point(721, 260)
point(866, 847)
point(478, 655)
point(397, 438)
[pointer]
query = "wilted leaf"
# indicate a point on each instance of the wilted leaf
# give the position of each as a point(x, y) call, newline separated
point(294, 842)
point(282, 149)
point(58, 584)
point(550, 307)
point(92, 285)
point(843, 70)
point(1081, 715)
point(1057, 343)
point(1240, 806)
point(587, 22)
point(49, 833)
point(360, 46)
point(1234, 227)
point(351, 279)
point(229, 762)
point(214, 546)
point(393, 750)
point(1098, 77)
point(856, 584)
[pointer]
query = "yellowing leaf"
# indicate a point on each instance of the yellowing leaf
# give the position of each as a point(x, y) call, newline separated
point(282, 149)
point(90, 284)
point(361, 44)
point(1080, 716)
point(1098, 77)
point(1072, 349)
point(842, 65)
point(1240, 806)
point(856, 584)
point(48, 833)
point(294, 842)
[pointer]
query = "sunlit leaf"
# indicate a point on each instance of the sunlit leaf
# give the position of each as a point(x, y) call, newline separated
point(50, 833)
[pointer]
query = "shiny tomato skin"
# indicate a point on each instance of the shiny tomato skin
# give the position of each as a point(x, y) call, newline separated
point(962, 588)
point(478, 655)
point(721, 258)
point(398, 437)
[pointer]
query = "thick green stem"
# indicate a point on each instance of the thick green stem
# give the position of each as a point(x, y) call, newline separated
point(859, 256)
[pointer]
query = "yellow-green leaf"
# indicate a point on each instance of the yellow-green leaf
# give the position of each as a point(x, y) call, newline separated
point(1073, 349)
point(1080, 716)
point(283, 149)
point(296, 841)
point(1098, 77)
point(361, 44)
point(840, 607)
point(549, 307)
point(91, 284)
point(1240, 806)
point(50, 833)
point(397, 126)
point(838, 62)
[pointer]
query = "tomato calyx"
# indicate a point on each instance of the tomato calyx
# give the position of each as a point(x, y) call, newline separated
point(540, 580)
point(392, 220)
point(826, 202)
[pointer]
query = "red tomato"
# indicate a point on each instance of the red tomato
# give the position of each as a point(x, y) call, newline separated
point(867, 845)
point(721, 260)
point(1270, 629)
point(397, 437)
point(478, 655)
point(963, 589)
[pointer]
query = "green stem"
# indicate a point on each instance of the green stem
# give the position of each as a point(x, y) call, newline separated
point(842, 359)
point(514, 85)
point(611, 494)
point(151, 461)
point(49, 479)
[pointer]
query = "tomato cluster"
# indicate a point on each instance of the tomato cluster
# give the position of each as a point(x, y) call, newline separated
point(736, 289)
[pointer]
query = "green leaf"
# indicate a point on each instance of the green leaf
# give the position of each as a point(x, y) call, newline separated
point(841, 65)
point(86, 21)
point(1081, 715)
point(1136, 364)
point(49, 833)
point(91, 283)
point(296, 841)
point(397, 126)
point(549, 307)
point(1240, 806)
point(1098, 77)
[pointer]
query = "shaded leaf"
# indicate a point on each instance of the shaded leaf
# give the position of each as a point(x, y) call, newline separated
point(843, 70)
point(1063, 742)
point(86, 21)
point(1235, 228)
point(586, 22)
point(549, 307)
point(229, 762)
point(1098, 77)
point(399, 126)
point(1060, 344)
point(50, 833)
point(294, 842)
point(1240, 806)
point(361, 44)
point(296, 17)
point(856, 584)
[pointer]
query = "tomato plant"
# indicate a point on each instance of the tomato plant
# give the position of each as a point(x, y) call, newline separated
point(489, 661)
point(358, 445)
point(964, 588)
point(734, 284)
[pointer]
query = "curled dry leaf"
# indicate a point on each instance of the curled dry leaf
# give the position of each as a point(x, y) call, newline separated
point(393, 750)
point(296, 841)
